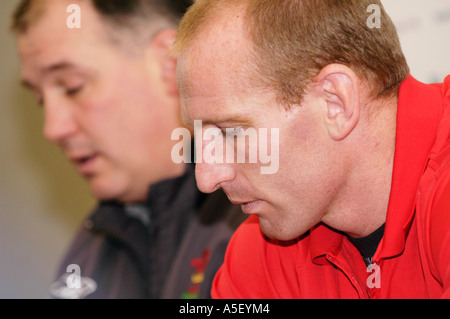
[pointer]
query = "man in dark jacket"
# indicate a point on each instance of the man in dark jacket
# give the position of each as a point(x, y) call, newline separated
point(102, 73)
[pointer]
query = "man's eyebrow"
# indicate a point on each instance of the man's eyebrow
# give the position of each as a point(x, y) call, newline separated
point(228, 121)
point(59, 66)
point(221, 122)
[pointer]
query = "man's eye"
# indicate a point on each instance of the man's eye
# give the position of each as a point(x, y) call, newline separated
point(233, 131)
point(74, 90)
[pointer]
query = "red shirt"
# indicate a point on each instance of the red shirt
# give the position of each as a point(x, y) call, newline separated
point(412, 259)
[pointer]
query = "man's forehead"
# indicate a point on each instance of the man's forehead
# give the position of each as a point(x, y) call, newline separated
point(222, 32)
point(50, 45)
point(215, 62)
point(53, 16)
point(213, 73)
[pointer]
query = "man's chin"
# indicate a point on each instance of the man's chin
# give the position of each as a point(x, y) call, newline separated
point(104, 195)
point(277, 232)
point(117, 188)
point(103, 190)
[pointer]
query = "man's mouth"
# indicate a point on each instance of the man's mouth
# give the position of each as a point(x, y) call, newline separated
point(248, 207)
point(86, 159)
point(251, 207)
point(84, 163)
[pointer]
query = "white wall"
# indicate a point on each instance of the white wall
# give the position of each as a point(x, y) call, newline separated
point(424, 30)
point(42, 200)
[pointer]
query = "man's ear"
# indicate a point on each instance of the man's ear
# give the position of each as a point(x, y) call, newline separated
point(339, 87)
point(162, 43)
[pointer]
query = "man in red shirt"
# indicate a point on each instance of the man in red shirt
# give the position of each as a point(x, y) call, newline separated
point(359, 206)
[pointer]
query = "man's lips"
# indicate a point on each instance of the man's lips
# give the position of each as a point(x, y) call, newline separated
point(248, 207)
point(84, 163)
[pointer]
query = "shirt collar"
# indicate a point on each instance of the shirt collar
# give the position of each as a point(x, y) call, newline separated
point(420, 110)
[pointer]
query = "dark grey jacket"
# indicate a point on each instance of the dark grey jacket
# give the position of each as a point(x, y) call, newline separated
point(170, 247)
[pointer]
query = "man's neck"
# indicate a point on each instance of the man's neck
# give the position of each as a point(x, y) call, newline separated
point(363, 203)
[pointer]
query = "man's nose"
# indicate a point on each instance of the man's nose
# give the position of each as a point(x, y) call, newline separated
point(59, 121)
point(211, 176)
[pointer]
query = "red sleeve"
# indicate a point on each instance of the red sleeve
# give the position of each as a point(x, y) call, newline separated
point(244, 274)
point(440, 235)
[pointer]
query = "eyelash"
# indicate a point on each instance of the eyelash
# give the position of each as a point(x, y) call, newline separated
point(235, 130)
point(74, 91)
point(69, 92)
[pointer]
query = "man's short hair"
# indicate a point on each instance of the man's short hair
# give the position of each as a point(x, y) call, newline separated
point(119, 13)
point(293, 40)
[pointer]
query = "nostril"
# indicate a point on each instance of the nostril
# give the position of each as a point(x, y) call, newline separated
point(210, 177)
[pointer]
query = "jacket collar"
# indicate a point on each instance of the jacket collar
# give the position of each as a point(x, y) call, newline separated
point(419, 113)
point(166, 201)
point(180, 194)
